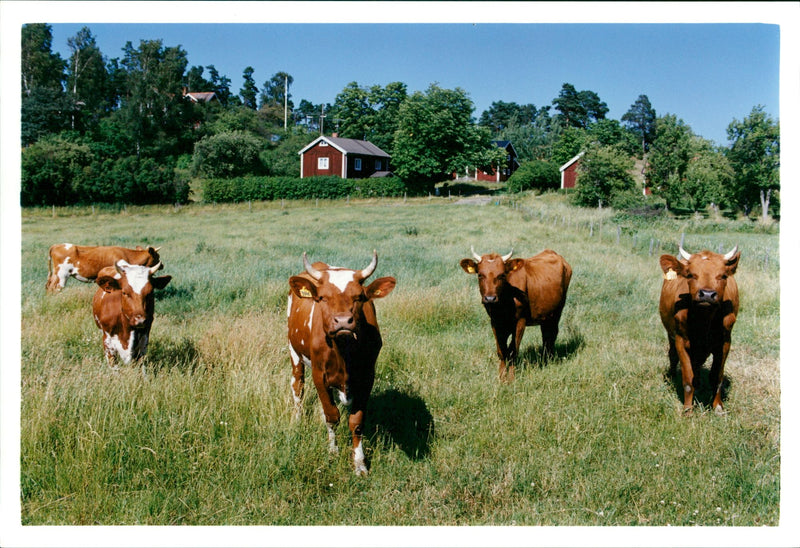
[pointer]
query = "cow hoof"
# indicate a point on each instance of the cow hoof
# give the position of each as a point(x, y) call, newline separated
point(688, 411)
point(361, 470)
point(719, 411)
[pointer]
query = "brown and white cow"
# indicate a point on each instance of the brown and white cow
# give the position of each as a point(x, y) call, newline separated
point(123, 308)
point(698, 307)
point(520, 292)
point(334, 330)
point(84, 262)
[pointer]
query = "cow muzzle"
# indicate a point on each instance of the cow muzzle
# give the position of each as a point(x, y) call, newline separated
point(706, 297)
point(343, 326)
point(489, 299)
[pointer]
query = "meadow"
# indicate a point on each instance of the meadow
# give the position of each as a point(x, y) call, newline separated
point(594, 436)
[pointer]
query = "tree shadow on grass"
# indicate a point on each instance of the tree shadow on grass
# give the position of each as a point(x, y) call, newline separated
point(401, 419)
point(704, 391)
point(534, 355)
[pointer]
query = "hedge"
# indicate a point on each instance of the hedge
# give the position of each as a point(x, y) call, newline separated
point(242, 189)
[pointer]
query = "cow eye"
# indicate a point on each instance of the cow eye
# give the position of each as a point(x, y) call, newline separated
point(689, 275)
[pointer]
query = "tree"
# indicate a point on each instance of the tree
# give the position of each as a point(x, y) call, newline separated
point(708, 176)
point(754, 155)
point(274, 91)
point(641, 120)
point(87, 80)
point(604, 175)
point(501, 115)
point(228, 155)
point(611, 133)
point(221, 86)
point(537, 175)
point(40, 67)
point(435, 137)
point(668, 159)
point(50, 171)
point(353, 112)
point(249, 91)
point(572, 141)
point(579, 108)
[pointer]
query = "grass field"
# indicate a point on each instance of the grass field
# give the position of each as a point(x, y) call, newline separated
point(593, 437)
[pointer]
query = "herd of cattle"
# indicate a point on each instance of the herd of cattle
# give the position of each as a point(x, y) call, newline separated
point(333, 328)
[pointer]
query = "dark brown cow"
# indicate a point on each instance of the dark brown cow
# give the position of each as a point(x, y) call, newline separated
point(84, 262)
point(699, 303)
point(333, 329)
point(521, 292)
point(123, 309)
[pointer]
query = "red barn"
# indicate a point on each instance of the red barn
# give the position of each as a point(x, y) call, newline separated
point(569, 171)
point(496, 175)
point(346, 158)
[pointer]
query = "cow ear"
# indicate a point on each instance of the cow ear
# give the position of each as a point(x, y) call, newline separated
point(303, 287)
point(732, 263)
point(380, 287)
point(469, 266)
point(108, 283)
point(160, 282)
point(514, 265)
point(670, 263)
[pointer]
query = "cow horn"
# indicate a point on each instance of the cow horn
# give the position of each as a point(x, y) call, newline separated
point(729, 255)
point(367, 272)
point(477, 257)
point(316, 274)
point(156, 268)
point(507, 257)
point(683, 253)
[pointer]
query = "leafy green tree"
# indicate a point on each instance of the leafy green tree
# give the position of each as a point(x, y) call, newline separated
point(611, 133)
point(709, 177)
point(572, 141)
point(501, 115)
point(228, 155)
point(44, 111)
point(603, 176)
point(154, 112)
point(435, 137)
point(281, 158)
point(668, 159)
point(87, 81)
point(40, 67)
point(353, 111)
point(535, 175)
point(249, 90)
point(274, 90)
point(221, 85)
point(754, 155)
point(533, 140)
point(386, 102)
point(641, 120)
point(579, 108)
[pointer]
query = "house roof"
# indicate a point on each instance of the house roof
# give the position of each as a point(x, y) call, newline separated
point(571, 161)
point(348, 146)
point(505, 145)
point(201, 96)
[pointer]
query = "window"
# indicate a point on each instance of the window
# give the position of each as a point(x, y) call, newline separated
point(322, 163)
point(377, 165)
point(323, 143)
point(357, 164)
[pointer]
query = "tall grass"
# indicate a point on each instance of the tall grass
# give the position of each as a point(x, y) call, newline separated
point(592, 437)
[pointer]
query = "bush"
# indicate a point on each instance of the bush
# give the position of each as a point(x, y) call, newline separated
point(240, 189)
point(229, 154)
point(604, 175)
point(51, 169)
point(536, 175)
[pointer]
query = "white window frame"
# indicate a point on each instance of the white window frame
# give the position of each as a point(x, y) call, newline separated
point(323, 163)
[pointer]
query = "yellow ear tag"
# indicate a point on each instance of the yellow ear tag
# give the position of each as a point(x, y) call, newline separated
point(670, 274)
point(378, 292)
point(304, 292)
point(471, 269)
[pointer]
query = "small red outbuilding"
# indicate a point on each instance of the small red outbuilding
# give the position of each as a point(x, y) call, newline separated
point(346, 158)
point(569, 171)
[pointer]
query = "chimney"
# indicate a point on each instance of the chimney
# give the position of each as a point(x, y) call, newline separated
point(335, 134)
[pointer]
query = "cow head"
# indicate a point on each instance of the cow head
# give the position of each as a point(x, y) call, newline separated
point(492, 270)
point(705, 272)
point(135, 285)
point(340, 293)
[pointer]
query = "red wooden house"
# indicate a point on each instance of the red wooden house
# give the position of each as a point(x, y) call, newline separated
point(346, 158)
point(496, 175)
point(569, 171)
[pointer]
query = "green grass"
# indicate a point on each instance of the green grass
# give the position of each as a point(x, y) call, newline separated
point(594, 437)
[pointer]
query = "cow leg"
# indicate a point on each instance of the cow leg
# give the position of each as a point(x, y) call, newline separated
point(331, 414)
point(516, 342)
point(687, 373)
point(549, 334)
point(356, 423)
point(718, 373)
point(502, 350)
point(297, 383)
point(673, 358)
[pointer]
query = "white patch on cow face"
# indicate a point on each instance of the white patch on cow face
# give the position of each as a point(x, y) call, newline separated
point(138, 277)
point(340, 278)
point(65, 270)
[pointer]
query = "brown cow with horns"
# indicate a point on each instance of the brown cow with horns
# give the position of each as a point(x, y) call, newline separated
point(699, 304)
point(333, 329)
point(521, 292)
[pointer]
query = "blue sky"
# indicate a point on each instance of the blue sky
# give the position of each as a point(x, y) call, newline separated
point(706, 74)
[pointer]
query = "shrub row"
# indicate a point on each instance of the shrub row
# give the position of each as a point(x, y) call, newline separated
point(242, 189)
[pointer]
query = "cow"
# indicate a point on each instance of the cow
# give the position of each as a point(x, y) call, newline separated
point(84, 262)
point(520, 292)
point(698, 306)
point(123, 309)
point(334, 330)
